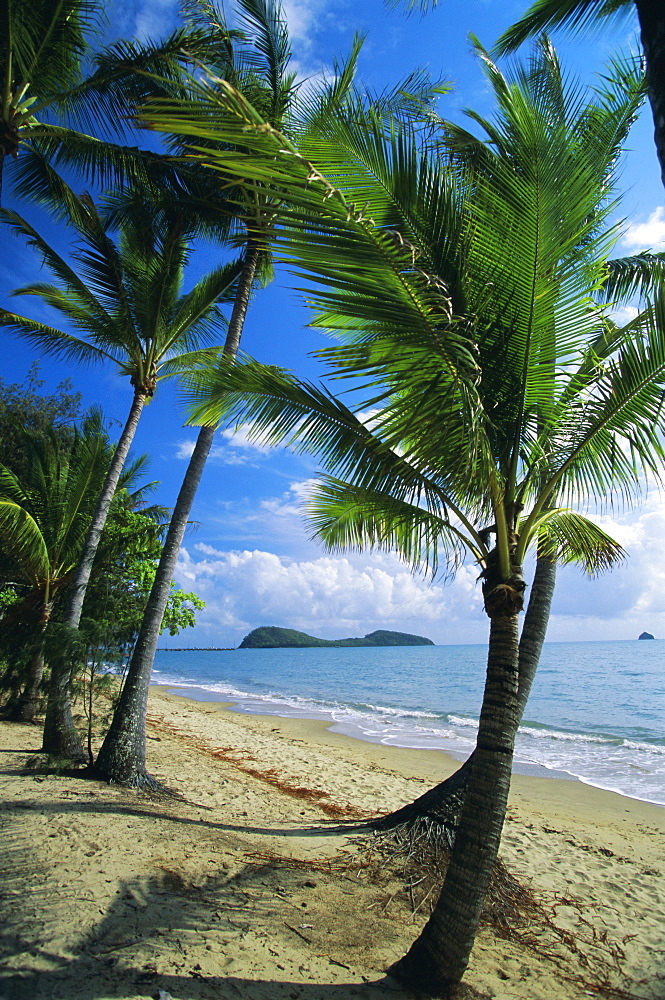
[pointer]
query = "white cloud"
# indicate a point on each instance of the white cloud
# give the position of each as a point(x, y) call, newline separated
point(625, 602)
point(185, 450)
point(233, 447)
point(624, 314)
point(239, 438)
point(303, 18)
point(329, 596)
point(290, 504)
point(647, 235)
point(334, 596)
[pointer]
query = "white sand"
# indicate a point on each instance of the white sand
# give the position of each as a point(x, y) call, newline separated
point(110, 894)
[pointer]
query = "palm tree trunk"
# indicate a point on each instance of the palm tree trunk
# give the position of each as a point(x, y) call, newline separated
point(440, 807)
point(438, 959)
point(26, 708)
point(60, 734)
point(76, 595)
point(534, 627)
point(651, 14)
point(121, 758)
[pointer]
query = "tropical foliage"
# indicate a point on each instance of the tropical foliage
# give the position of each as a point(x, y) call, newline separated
point(124, 298)
point(44, 516)
point(61, 104)
point(496, 394)
point(544, 15)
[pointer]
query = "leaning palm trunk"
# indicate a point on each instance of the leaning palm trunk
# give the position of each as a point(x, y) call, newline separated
point(438, 959)
point(60, 734)
point(121, 758)
point(652, 31)
point(438, 809)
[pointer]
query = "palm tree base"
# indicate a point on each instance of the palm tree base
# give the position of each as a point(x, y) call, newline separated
point(438, 809)
point(66, 746)
point(409, 971)
point(139, 780)
point(117, 766)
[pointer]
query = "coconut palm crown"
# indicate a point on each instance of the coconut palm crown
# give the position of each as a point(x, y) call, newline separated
point(62, 104)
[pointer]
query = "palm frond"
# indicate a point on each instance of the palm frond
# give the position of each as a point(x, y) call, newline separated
point(21, 536)
point(217, 286)
point(543, 15)
point(641, 275)
point(607, 442)
point(568, 537)
point(277, 409)
point(52, 341)
point(49, 39)
point(55, 263)
point(344, 516)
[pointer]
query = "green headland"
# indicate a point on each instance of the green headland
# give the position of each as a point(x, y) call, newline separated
point(272, 637)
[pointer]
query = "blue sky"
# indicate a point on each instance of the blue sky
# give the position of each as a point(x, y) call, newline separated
point(250, 557)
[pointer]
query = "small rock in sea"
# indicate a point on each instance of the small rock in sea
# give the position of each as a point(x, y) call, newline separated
point(646, 635)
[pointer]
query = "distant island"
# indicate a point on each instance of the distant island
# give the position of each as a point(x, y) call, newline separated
point(646, 635)
point(271, 637)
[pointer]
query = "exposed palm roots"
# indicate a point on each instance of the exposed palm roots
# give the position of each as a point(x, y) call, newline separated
point(409, 863)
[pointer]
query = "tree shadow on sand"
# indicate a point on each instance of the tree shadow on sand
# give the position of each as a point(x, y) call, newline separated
point(168, 933)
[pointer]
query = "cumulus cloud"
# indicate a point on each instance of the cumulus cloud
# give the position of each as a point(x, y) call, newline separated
point(625, 602)
point(328, 596)
point(184, 450)
point(303, 18)
point(332, 596)
point(649, 235)
point(624, 314)
point(290, 504)
point(232, 447)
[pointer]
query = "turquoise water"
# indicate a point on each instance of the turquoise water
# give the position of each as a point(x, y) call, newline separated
point(596, 712)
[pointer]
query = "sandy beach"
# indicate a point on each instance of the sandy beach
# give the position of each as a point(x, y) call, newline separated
point(239, 886)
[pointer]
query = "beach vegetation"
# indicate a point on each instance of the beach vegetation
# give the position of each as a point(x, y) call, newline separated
point(44, 515)
point(123, 295)
point(124, 568)
point(498, 396)
point(24, 406)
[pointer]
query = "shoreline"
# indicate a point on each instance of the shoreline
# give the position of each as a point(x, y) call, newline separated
point(521, 769)
point(243, 884)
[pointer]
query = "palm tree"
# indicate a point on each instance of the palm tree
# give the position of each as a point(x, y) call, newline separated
point(254, 65)
point(44, 516)
point(258, 62)
point(47, 103)
point(543, 15)
point(501, 393)
point(126, 303)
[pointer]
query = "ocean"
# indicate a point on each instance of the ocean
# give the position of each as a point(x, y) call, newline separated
point(596, 712)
